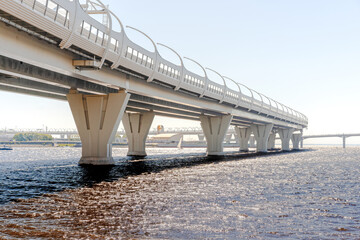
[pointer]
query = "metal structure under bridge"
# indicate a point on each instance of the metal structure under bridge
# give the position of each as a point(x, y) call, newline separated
point(57, 49)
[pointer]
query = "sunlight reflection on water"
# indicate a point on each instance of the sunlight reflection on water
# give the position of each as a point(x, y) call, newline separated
point(306, 195)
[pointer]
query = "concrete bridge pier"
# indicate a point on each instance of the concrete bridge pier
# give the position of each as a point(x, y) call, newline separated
point(97, 119)
point(137, 126)
point(296, 138)
point(215, 129)
point(285, 136)
point(243, 136)
point(252, 141)
point(261, 134)
point(271, 141)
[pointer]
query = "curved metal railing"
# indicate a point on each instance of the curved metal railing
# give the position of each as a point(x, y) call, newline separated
point(71, 21)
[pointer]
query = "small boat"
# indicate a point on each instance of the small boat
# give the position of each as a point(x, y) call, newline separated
point(5, 148)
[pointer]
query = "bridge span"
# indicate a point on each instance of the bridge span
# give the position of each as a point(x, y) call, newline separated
point(343, 136)
point(56, 49)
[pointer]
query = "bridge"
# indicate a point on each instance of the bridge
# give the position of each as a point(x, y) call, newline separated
point(57, 49)
point(343, 136)
point(190, 130)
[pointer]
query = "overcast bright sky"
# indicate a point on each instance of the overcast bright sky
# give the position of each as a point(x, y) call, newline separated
point(304, 53)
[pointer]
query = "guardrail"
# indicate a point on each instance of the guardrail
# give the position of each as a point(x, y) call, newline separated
point(71, 21)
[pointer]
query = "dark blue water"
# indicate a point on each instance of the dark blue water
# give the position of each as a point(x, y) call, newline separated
point(182, 195)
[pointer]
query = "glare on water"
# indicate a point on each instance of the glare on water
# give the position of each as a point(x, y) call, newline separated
point(180, 194)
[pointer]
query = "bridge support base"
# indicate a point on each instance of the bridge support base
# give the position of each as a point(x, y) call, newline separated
point(271, 141)
point(243, 136)
point(296, 138)
point(215, 129)
point(97, 119)
point(285, 136)
point(137, 126)
point(261, 134)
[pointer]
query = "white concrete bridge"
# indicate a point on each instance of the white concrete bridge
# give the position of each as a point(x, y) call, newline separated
point(56, 49)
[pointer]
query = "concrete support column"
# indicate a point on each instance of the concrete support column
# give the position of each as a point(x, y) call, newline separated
point(296, 138)
point(243, 136)
point(97, 119)
point(285, 136)
point(137, 126)
point(261, 134)
point(252, 141)
point(215, 129)
point(271, 141)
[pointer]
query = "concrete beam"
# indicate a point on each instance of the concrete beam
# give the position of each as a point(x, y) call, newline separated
point(31, 92)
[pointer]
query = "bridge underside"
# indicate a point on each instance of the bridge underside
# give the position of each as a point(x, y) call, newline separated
point(20, 77)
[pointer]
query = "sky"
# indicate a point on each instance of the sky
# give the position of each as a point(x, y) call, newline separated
point(302, 53)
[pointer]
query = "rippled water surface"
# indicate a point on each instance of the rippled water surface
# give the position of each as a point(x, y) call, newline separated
point(180, 194)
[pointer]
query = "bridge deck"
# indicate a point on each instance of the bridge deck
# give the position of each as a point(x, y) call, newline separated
point(124, 64)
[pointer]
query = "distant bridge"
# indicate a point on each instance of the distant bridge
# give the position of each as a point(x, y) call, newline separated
point(189, 130)
point(343, 136)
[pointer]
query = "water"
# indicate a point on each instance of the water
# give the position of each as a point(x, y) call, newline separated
point(180, 194)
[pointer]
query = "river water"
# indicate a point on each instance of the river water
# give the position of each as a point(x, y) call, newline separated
point(181, 194)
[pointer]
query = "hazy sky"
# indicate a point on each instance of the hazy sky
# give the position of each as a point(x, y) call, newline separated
point(303, 53)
